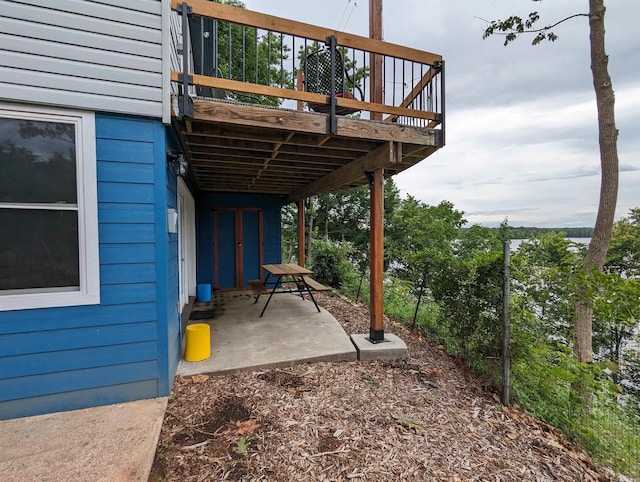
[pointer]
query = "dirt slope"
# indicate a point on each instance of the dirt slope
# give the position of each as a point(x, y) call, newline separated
point(424, 419)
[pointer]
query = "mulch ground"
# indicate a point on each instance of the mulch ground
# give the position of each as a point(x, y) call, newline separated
point(426, 418)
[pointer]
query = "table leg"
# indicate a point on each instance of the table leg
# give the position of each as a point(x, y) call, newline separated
point(275, 287)
point(265, 283)
point(300, 287)
point(310, 293)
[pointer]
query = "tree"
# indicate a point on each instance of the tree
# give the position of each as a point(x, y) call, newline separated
point(616, 304)
point(421, 234)
point(623, 257)
point(596, 255)
point(344, 216)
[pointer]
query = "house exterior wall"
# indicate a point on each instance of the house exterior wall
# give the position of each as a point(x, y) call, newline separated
point(172, 304)
point(127, 347)
point(102, 56)
point(272, 243)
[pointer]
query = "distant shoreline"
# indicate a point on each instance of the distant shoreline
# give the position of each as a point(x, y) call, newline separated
point(528, 232)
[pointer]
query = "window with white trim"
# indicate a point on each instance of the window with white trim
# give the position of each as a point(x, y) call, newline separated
point(48, 208)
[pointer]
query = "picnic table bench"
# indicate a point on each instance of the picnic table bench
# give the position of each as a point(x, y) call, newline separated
point(314, 285)
point(298, 274)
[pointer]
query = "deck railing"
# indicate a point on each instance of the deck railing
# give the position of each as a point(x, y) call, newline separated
point(239, 55)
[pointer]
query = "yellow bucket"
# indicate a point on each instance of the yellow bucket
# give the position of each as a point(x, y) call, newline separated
point(198, 342)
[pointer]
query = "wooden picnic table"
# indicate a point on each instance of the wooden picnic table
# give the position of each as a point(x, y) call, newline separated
point(296, 273)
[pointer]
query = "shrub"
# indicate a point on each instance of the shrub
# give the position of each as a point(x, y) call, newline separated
point(330, 262)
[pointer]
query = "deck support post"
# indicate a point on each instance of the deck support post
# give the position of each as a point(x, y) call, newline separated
point(376, 256)
point(301, 226)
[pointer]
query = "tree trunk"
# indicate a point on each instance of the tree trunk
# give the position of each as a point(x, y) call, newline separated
point(608, 138)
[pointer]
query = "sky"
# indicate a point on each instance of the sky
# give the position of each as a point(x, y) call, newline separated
point(522, 138)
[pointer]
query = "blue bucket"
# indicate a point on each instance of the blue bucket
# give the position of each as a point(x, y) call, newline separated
point(204, 292)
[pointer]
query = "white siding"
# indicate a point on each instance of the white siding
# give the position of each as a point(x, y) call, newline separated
point(103, 55)
point(175, 57)
point(176, 42)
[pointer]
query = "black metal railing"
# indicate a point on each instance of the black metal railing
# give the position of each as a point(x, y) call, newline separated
point(244, 56)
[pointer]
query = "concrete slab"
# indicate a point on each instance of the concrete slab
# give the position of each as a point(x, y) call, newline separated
point(110, 443)
point(392, 349)
point(290, 332)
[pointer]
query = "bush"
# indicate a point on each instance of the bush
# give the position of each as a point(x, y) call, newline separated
point(330, 262)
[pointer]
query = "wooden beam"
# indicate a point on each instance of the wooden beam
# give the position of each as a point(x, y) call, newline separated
point(215, 153)
point(249, 88)
point(277, 24)
point(383, 156)
point(239, 248)
point(205, 166)
point(249, 115)
point(209, 130)
point(314, 156)
point(384, 132)
point(261, 241)
point(376, 256)
point(301, 226)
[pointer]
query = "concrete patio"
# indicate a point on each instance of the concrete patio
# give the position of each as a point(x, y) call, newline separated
point(290, 332)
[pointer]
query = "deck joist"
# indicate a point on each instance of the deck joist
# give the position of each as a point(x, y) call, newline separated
point(235, 147)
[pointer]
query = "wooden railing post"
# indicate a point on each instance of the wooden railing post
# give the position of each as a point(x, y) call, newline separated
point(300, 87)
point(376, 256)
point(375, 32)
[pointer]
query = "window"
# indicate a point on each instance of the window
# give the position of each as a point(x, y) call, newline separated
point(48, 208)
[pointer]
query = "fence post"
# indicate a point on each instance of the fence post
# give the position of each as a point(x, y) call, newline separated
point(506, 334)
point(423, 283)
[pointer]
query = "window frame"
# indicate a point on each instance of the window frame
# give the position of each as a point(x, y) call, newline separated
point(86, 188)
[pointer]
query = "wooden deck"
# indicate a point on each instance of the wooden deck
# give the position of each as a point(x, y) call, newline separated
point(294, 152)
point(235, 147)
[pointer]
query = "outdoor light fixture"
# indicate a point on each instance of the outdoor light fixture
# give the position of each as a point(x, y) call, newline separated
point(178, 162)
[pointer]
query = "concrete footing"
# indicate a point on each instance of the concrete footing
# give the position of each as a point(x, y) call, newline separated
point(393, 348)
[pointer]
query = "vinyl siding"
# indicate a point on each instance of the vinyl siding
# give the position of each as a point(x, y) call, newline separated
point(97, 55)
point(65, 358)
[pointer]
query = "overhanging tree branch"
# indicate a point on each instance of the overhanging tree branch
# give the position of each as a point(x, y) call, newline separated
point(514, 26)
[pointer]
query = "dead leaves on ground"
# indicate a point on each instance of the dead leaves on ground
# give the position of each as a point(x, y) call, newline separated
point(422, 419)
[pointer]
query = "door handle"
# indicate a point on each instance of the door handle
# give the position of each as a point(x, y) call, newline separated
point(239, 245)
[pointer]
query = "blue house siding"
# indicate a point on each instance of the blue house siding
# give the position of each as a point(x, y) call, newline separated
point(272, 247)
point(172, 327)
point(127, 347)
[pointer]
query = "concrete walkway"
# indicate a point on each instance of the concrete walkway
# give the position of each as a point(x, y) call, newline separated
point(110, 443)
point(290, 332)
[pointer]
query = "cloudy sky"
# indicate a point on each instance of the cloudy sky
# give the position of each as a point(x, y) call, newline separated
point(522, 138)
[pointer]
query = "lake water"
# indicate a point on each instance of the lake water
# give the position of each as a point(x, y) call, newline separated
point(515, 243)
